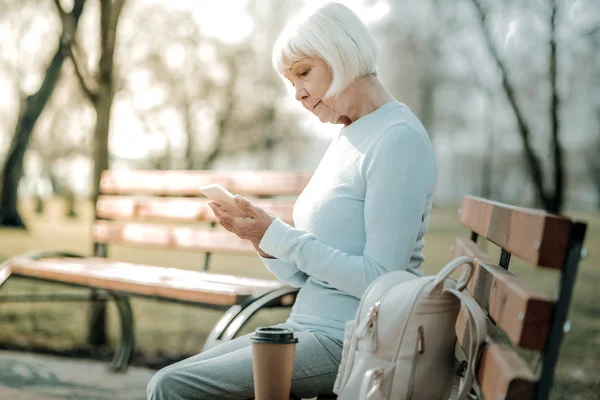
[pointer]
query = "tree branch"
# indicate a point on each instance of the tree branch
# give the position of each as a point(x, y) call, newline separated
point(88, 84)
point(225, 117)
point(110, 12)
point(67, 39)
point(594, 163)
point(524, 131)
point(115, 14)
point(61, 12)
point(557, 199)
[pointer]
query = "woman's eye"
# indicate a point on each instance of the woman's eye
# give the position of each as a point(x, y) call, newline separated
point(304, 73)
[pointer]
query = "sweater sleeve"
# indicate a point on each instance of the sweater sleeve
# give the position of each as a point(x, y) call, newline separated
point(399, 172)
point(286, 271)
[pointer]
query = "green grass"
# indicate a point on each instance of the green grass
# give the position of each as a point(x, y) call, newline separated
point(167, 330)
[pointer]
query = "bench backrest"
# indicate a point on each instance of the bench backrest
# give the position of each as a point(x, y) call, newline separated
point(519, 316)
point(165, 209)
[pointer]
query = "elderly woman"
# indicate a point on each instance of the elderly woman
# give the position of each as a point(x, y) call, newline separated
point(364, 212)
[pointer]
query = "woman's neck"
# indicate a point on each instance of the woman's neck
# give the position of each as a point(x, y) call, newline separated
point(365, 95)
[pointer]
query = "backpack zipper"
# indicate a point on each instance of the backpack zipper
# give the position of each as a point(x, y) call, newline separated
point(369, 327)
point(376, 381)
point(410, 310)
point(419, 349)
point(358, 334)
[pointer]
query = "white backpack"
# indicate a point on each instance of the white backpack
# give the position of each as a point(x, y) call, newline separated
point(401, 346)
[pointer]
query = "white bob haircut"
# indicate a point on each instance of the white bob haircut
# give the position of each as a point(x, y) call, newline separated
point(335, 34)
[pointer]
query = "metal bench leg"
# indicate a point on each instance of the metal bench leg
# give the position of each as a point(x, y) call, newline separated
point(235, 318)
point(125, 349)
point(565, 292)
point(124, 352)
point(213, 337)
point(268, 299)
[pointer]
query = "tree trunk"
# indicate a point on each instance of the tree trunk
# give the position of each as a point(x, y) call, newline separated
point(552, 202)
point(102, 100)
point(594, 163)
point(487, 167)
point(103, 104)
point(596, 183)
point(427, 104)
point(557, 199)
point(13, 167)
point(103, 107)
point(30, 111)
point(190, 132)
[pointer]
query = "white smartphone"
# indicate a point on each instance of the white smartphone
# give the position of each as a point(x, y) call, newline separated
point(224, 198)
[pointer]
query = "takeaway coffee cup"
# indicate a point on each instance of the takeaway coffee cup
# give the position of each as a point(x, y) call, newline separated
point(273, 353)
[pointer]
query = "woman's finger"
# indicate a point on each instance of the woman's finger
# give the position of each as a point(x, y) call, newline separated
point(215, 209)
point(220, 213)
point(245, 205)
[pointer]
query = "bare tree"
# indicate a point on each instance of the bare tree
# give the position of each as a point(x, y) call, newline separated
point(64, 139)
point(412, 34)
point(99, 87)
point(594, 161)
point(551, 201)
point(234, 95)
point(30, 109)
point(189, 85)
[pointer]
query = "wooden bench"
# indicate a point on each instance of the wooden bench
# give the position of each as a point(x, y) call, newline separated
point(147, 208)
point(518, 316)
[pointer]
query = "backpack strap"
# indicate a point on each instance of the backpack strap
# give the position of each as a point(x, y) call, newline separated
point(445, 272)
point(477, 336)
point(372, 380)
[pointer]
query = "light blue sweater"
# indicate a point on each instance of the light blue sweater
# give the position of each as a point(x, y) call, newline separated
point(363, 213)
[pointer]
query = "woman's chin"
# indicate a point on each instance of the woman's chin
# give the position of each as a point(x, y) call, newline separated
point(325, 118)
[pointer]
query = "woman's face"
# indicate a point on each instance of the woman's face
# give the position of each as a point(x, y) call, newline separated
point(311, 78)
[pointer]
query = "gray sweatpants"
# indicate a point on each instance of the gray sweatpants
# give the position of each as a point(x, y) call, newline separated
point(225, 371)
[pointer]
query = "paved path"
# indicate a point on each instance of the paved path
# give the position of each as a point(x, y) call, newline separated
point(25, 376)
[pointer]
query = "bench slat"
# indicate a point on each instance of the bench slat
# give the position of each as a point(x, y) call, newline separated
point(171, 283)
point(187, 183)
point(173, 273)
point(170, 237)
point(177, 208)
point(523, 314)
point(536, 236)
point(501, 373)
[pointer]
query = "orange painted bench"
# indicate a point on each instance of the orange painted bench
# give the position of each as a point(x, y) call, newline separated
point(518, 316)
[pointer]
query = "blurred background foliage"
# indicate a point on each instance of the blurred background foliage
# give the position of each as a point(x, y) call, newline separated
point(509, 92)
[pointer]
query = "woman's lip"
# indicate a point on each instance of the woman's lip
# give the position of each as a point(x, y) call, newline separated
point(316, 104)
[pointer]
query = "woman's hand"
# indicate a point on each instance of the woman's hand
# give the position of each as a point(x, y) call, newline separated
point(252, 227)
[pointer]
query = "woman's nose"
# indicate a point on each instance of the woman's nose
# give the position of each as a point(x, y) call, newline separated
point(301, 93)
